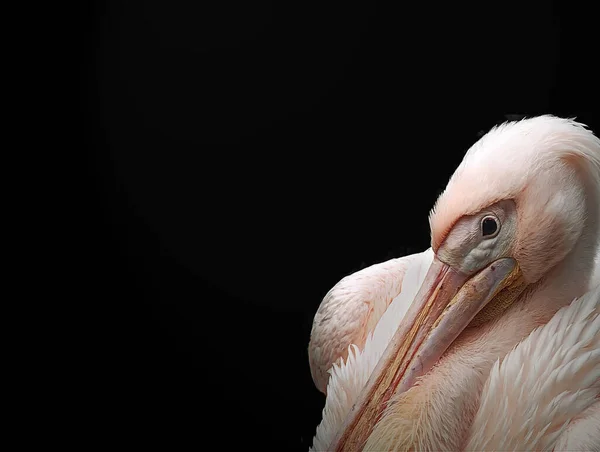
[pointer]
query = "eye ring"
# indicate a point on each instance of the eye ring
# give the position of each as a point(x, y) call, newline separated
point(490, 226)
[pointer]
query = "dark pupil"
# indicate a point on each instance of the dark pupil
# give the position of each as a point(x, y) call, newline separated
point(489, 226)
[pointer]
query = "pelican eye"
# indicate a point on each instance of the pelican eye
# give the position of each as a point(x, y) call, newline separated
point(489, 227)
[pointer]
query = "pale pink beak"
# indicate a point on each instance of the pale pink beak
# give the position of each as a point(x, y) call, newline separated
point(445, 305)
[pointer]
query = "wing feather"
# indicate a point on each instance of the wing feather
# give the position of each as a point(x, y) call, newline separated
point(544, 383)
point(349, 375)
point(350, 311)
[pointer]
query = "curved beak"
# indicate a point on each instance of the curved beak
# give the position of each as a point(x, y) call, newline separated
point(445, 305)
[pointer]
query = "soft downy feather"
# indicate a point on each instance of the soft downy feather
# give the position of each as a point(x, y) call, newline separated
point(544, 383)
point(349, 377)
point(583, 433)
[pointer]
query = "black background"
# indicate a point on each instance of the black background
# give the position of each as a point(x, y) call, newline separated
point(245, 156)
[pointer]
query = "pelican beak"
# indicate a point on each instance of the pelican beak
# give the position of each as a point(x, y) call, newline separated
point(446, 304)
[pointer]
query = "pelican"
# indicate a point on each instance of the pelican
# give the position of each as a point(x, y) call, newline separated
point(488, 340)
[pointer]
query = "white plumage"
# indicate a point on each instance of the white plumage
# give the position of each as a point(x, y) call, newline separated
point(546, 381)
point(529, 378)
